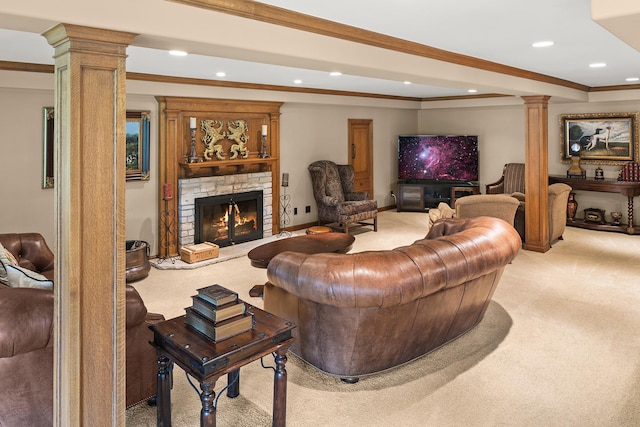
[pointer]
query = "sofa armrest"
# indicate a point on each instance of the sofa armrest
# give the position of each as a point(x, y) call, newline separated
point(26, 320)
point(495, 187)
point(136, 310)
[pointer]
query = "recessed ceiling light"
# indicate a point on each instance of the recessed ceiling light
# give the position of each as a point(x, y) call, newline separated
point(632, 79)
point(473, 91)
point(543, 44)
point(178, 53)
point(221, 74)
point(297, 81)
point(335, 73)
point(598, 65)
point(407, 82)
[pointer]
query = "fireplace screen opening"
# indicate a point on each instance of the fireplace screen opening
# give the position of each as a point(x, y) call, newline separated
point(229, 219)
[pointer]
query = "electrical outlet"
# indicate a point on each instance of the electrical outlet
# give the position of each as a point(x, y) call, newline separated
point(295, 211)
point(307, 209)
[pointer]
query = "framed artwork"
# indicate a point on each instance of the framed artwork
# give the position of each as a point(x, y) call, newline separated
point(599, 138)
point(48, 116)
point(137, 135)
point(137, 146)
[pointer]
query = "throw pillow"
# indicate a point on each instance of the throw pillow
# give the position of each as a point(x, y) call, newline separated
point(6, 258)
point(19, 277)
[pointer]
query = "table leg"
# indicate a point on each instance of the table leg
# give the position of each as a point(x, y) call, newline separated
point(233, 378)
point(280, 388)
point(163, 391)
point(208, 412)
point(630, 214)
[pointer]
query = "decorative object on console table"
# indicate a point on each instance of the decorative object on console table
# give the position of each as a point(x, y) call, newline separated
point(630, 173)
point(193, 156)
point(615, 218)
point(576, 171)
point(599, 174)
point(594, 215)
point(572, 207)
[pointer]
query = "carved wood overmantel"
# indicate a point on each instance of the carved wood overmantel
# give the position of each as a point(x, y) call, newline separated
point(235, 129)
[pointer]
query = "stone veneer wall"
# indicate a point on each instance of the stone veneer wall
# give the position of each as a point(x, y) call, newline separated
point(191, 189)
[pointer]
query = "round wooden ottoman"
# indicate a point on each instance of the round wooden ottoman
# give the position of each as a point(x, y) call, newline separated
point(318, 229)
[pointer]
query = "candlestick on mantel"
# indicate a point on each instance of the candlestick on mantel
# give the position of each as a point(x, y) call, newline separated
point(263, 154)
point(192, 122)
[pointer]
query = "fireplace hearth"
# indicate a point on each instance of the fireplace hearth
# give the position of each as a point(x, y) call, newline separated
point(229, 219)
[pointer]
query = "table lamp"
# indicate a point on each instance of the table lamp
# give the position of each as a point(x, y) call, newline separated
point(575, 171)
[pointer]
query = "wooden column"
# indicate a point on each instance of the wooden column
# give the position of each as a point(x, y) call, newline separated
point(89, 153)
point(536, 173)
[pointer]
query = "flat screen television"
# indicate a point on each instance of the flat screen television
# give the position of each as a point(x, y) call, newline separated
point(438, 157)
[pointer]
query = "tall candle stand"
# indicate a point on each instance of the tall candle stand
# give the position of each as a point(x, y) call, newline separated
point(285, 210)
point(166, 219)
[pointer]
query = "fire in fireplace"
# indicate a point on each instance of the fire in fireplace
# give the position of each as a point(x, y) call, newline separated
point(229, 219)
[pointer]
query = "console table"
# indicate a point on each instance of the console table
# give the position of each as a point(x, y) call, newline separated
point(626, 188)
point(421, 196)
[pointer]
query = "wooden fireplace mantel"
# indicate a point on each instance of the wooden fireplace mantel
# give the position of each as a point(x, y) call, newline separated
point(175, 148)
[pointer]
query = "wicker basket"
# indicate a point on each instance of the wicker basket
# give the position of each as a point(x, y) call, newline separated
point(199, 252)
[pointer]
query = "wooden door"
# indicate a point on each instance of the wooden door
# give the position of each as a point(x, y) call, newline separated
point(361, 154)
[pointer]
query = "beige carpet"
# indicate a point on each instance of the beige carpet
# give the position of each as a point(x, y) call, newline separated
point(559, 346)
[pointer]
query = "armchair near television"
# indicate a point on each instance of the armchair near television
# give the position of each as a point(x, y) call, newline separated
point(512, 182)
point(336, 199)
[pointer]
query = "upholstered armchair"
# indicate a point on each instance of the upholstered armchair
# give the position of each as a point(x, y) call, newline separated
point(336, 199)
point(493, 205)
point(511, 181)
point(558, 197)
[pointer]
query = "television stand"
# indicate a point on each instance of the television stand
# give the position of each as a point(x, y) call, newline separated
point(421, 196)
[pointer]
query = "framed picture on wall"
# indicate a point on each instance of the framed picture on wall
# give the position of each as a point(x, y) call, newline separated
point(599, 138)
point(137, 146)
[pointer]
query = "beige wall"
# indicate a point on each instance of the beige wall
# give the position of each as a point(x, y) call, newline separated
point(501, 140)
point(312, 127)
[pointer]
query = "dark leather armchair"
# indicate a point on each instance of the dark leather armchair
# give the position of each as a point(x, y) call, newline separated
point(336, 199)
point(26, 342)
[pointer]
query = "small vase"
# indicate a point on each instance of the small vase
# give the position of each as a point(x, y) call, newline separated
point(572, 207)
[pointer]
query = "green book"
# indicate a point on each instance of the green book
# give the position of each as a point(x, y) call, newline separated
point(217, 295)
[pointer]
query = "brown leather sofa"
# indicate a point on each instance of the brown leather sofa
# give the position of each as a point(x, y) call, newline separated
point(26, 341)
point(362, 313)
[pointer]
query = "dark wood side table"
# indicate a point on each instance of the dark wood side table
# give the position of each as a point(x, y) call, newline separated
point(206, 361)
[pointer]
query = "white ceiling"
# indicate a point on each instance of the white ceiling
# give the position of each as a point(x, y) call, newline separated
point(500, 31)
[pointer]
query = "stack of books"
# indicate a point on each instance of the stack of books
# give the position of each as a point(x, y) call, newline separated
point(217, 313)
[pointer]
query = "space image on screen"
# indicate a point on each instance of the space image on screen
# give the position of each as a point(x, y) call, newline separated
point(438, 157)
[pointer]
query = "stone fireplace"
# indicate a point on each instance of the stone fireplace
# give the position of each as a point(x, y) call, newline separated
point(216, 196)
